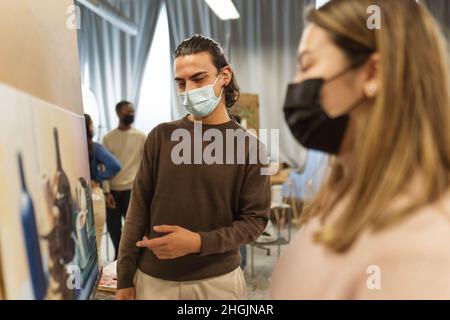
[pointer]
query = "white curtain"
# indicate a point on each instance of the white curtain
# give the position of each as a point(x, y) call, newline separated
point(441, 11)
point(113, 60)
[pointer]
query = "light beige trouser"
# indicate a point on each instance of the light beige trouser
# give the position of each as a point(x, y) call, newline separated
point(230, 286)
point(98, 202)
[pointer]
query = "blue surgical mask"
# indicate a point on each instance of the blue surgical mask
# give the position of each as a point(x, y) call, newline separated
point(201, 102)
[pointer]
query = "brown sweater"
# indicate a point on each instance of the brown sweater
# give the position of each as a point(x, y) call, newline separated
point(227, 204)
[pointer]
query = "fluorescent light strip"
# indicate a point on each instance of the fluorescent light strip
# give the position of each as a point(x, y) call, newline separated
point(224, 9)
point(320, 3)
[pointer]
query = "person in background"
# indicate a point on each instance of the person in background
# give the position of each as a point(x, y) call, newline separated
point(103, 165)
point(380, 104)
point(126, 144)
point(187, 220)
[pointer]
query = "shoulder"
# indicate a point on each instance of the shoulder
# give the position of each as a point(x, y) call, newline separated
point(110, 134)
point(170, 125)
point(411, 257)
point(136, 132)
point(161, 132)
point(97, 146)
point(100, 149)
point(166, 129)
point(427, 231)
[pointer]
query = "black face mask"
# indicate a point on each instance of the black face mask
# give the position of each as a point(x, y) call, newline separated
point(128, 119)
point(307, 120)
point(90, 134)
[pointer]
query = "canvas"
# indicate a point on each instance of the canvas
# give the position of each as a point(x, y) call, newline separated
point(46, 201)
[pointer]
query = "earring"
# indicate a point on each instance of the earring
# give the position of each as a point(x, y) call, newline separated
point(373, 88)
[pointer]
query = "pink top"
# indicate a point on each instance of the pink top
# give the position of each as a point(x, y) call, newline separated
point(409, 260)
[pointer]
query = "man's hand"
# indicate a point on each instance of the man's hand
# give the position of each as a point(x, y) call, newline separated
point(110, 201)
point(177, 243)
point(125, 294)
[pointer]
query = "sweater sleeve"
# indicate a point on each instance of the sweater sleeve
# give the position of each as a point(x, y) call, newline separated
point(138, 216)
point(112, 165)
point(105, 184)
point(254, 203)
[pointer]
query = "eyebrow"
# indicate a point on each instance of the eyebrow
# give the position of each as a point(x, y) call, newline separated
point(195, 75)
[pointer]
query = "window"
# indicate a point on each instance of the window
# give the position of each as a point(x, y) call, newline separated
point(154, 103)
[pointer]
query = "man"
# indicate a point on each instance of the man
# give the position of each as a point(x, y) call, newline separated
point(187, 220)
point(126, 143)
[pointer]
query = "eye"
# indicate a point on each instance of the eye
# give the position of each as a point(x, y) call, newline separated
point(304, 68)
point(181, 85)
point(199, 79)
point(304, 63)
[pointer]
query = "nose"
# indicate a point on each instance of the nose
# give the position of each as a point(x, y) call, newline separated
point(299, 77)
point(190, 85)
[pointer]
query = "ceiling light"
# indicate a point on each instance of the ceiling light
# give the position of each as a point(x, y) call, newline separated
point(224, 9)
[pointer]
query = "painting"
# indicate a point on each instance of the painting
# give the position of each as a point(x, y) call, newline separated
point(46, 202)
point(247, 108)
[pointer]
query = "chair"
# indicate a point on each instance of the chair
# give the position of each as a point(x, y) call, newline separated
point(280, 211)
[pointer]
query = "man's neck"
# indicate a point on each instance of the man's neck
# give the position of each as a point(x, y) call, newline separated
point(218, 116)
point(123, 127)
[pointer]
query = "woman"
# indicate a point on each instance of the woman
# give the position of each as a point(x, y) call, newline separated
point(377, 99)
point(103, 166)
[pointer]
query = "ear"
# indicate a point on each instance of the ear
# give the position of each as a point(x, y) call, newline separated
point(227, 75)
point(372, 84)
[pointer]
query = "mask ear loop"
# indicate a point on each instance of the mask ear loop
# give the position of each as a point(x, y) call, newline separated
point(358, 102)
point(218, 76)
point(339, 74)
point(221, 92)
point(215, 81)
point(347, 69)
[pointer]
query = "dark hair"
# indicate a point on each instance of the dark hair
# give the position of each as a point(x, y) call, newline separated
point(197, 44)
point(236, 118)
point(122, 104)
point(90, 143)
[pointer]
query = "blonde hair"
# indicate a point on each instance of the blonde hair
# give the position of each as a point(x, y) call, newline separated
point(407, 128)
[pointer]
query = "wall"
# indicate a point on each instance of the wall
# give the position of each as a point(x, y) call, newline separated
point(39, 53)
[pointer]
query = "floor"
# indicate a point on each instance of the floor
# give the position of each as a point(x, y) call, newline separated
point(258, 285)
